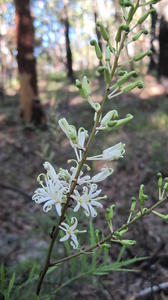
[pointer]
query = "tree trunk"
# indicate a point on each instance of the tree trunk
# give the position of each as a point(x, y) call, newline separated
point(163, 45)
point(154, 57)
point(67, 42)
point(31, 110)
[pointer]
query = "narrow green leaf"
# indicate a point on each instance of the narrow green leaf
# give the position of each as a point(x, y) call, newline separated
point(121, 253)
point(2, 274)
point(11, 283)
point(32, 271)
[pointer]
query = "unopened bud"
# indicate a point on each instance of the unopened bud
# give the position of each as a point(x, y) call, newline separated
point(131, 13)
point(120, 122)
point(131, 86)
point(122, 72)
point(144, 17)
point(138, 35)
point(97, 49)
point(142, 55)
point(104, 32)
point(100, 69)
point(126, 77)
point(122, 27)
point(107, 75)
point(133, 204)
point(108, 54)
point(112, 114)
point(128, 242)
point(85, 87)
point(125, 3)
point(110, 213)
point(78, 84)
point(160, 180)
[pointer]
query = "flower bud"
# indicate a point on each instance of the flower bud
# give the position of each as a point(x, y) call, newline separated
point(142, 196)
point(107, 246)
point(128, 242)
point(104, 32)
point(160, 180)
point(126, 77)
point(120, 122)
point(165, 188)
point(142, 55)
point(100, 69)
point(107, 75)
point(119, 234)
point(97, 49)
point(107, 54)
point(131, 86)
point(69, 130)
point(122, 27)
point(138, 35)
point(110, 213)
point(78, 84)
point(85, 87)
point(125, 3)
point(122, 72)
point(131, 13)
point(144, 17)
point(112, 114)
point(133, 205)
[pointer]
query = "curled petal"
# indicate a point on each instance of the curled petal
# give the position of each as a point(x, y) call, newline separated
point(74, 241)
point(76, 208)
point(58, 208)
point(48, 205)
point(93, 212)
point(65, 238)
point(74, 223)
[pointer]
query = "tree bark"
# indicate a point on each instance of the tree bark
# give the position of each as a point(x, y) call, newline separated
point(154, 57)
point(31, 110)
point(69, 60)
point(163, 45)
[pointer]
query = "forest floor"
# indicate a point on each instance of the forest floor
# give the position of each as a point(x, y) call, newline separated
point(24, 231)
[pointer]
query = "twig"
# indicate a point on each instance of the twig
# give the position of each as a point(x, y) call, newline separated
point(154, 289)
point(15, 189)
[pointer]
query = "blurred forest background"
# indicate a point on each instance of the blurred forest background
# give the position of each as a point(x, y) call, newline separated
point(44, 47)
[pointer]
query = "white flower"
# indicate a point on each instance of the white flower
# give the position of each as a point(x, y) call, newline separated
point(102, 175)
point(52, 193)
point(69, 176)
point(87, 200)
point(81, 180)
point(112, 153)
point(70, 232)
point(50, 171)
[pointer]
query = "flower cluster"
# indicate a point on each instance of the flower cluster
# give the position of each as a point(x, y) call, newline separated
point(55, 186)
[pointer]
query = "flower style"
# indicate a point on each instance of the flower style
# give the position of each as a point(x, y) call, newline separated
point(52, 193)
point(88, 199)
point(70, 232)
point(112, 153)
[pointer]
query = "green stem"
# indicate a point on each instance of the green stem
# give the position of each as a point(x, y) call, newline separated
point(73, 185)
point(110, 235)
